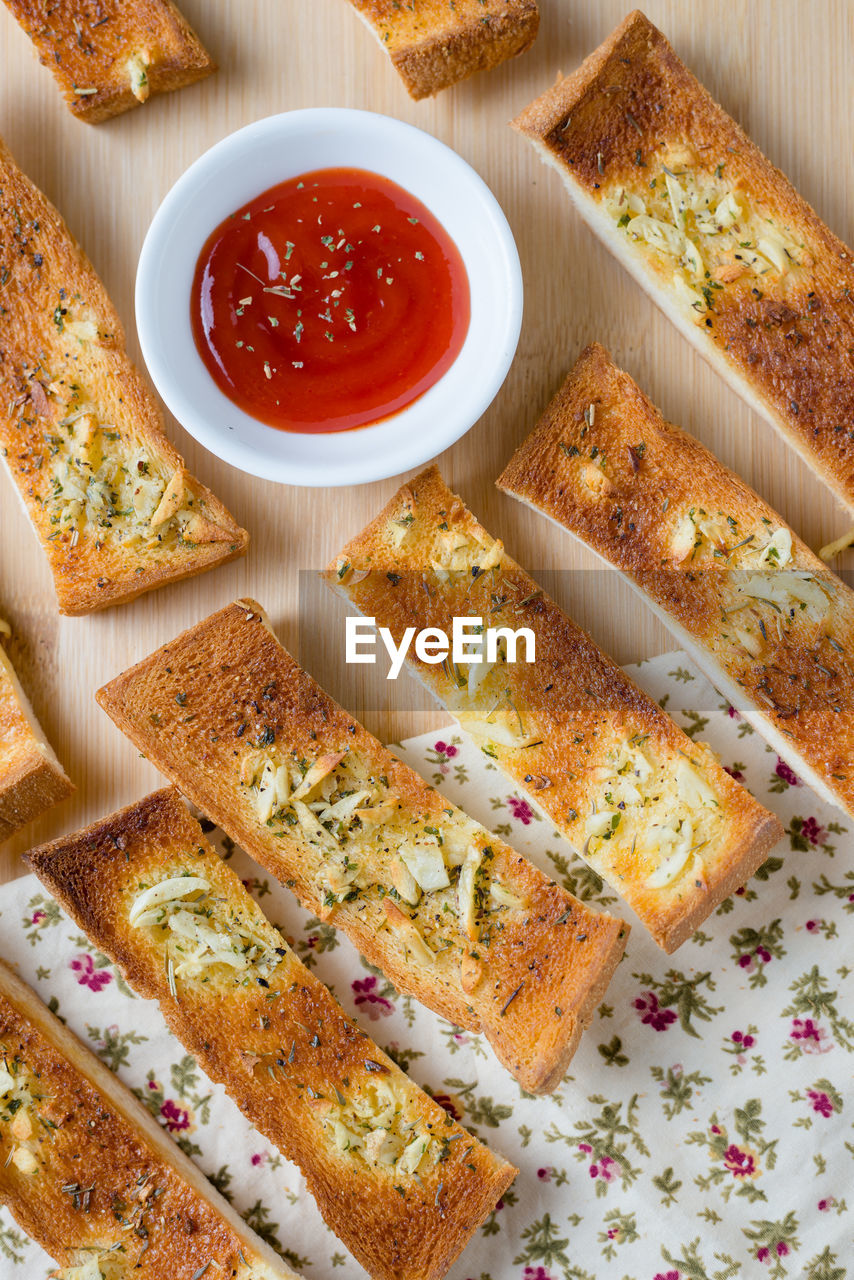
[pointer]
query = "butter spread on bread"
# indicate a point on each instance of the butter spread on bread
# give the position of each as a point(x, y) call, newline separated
point(31, 777)
point(435, 43)
point(763, 616)
point(447, 910)
point(400, 1183)
point(714, 232)
point(652, 812)
point(113, 55)
point(115, 509)
point(92, 1177)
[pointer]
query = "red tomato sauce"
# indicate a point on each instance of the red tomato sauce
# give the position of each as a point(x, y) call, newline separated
point(329, 302)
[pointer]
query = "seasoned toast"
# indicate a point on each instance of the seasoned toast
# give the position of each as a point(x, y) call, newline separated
point(400, 1183)
point(31, 777)
point(113, 55)
point(112, 504)
point(764, 617)
point(718, 237)
point(92, 1177)
point(433, 45)
point(448, 911)
point(652, 812)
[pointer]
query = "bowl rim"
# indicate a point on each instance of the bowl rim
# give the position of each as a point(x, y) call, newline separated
point(406, 439)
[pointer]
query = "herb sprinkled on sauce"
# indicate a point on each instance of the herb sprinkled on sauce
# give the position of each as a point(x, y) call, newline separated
point(329, 302)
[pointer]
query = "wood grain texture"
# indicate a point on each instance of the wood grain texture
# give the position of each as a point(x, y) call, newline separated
point(779, 66)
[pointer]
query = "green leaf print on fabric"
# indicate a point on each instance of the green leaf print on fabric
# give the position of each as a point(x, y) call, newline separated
point(612, 1052)
point(13, 1244)
point(775, 1243)
point(480, 1111)
point(41, 914)
point(737, 1165)
point(545, 1244)
point(678, 1087)
point(620, 1228)
point(754, 948)
point(690, 1266)
point(813, 1001)
point(823, 1267)
point(601, 1144)
point(113, 1046)
point(580, 880)
point(683, 993)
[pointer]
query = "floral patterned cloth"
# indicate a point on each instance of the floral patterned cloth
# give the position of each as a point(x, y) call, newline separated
point(705, 1131)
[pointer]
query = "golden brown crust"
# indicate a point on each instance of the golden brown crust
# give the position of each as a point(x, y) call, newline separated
point(197, 708)
point(433, 44)
point(80, 431)
point(780, 335)
point(112, 55)
point(796, 673)
point(31, 778)
point(84, 1167)
point(281, 1044)
point(577, 713)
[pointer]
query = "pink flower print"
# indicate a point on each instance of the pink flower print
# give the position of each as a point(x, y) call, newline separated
point(606, 1169)
point(520, 810)
point(446, 749)
point(763, 1254)
point(38, 916)
point(808, 1035)
point(449, 1103)
point(741, 1164)
point(812, 830)
point(650, 1014)
point(376, 1006)
point(743, 1041)
point(674, 1275)
point(824, 1206)
point(786, 774)
point(782, 1249)
point(545, 1175)
point(733, 715)
point(177, 1118)
point(820, 1102)
point(536, 1273)
point(94, 979)
point(812, 925)
point(735, 774)
point(259, 1158)
point(312, 941)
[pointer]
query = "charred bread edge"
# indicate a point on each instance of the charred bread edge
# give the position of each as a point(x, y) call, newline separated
point(541, 1073)
point(132, 1112)
point(177, 70)
point(760, 835)
point(531, 123)
point(458, 1227)
point(719, 678)
point(38, 772)
point(148, 423)
point(441, 60)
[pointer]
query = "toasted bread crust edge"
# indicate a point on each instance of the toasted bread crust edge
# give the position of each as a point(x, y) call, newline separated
point(752, 831)
point(538, 1056)
point(25, 1001)
point(69, 868)
point(445, 58)
point(527, 478)
point(87, 591)
point(542, 116)
point(185, 62)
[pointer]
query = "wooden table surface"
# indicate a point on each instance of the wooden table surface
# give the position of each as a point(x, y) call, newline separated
point(782, 67)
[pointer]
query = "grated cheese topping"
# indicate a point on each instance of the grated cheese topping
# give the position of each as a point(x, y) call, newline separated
point(362, 843)
point(377, 1124)
point(203, 933)
point(21, 1099)
point(663, 816)
point(710, 234)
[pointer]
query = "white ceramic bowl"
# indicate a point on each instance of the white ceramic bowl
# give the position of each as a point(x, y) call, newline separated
point(247, 163)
